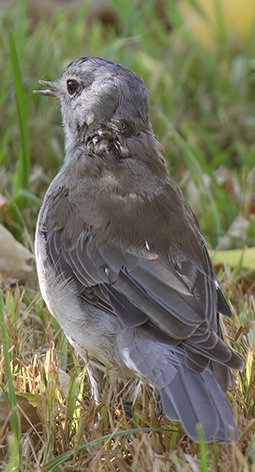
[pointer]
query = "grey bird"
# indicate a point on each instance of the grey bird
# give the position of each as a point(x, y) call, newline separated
point(121, 261)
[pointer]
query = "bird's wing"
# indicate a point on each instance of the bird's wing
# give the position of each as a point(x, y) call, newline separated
point(173, 299)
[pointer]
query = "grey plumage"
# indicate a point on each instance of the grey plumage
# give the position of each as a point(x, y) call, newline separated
point(121, 260)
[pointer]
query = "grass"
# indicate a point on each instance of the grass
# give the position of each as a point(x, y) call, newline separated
point(203, 113)
point(23, 171)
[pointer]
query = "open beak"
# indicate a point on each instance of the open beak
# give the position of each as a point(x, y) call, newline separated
point(51, 92)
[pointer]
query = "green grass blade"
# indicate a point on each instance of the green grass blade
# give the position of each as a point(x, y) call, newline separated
point(24, 164)
point(202, 449)
point(67, 455)
point(20, 26)
point(14, 419)
point(3, 144)
point(14, 461)
point(220, 21)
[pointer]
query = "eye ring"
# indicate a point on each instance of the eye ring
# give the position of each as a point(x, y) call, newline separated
point(72, 86)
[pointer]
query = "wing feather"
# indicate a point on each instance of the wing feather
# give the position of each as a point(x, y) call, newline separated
point(172, 299)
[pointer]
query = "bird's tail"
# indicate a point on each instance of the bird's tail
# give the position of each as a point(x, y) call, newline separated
point(187, 396)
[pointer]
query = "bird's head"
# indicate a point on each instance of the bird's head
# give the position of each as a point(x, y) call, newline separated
point(94, 92)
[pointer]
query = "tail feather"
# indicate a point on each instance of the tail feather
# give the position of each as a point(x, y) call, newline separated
point(192, 404)
point(223, 407)
point(187, 396)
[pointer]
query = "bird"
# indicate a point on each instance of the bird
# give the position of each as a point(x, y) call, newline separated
point(121, 260)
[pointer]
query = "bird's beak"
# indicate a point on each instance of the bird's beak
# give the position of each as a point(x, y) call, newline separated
point(51, 92)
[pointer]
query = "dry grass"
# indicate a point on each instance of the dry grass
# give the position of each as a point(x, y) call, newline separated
point(100, 437)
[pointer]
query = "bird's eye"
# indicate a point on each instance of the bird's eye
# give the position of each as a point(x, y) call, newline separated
point(72, 86)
